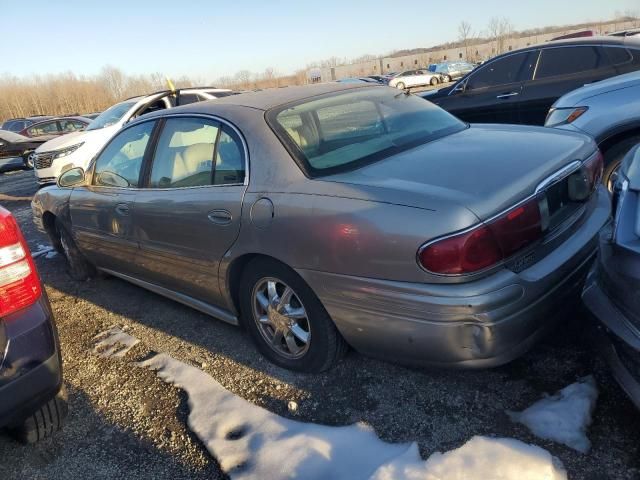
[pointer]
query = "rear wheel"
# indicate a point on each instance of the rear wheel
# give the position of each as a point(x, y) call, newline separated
point(446, 79)
point(79, 266)
point(434, 81)
point(48, 419)
point(286, 320)
point(613, 158)
point(400, 86)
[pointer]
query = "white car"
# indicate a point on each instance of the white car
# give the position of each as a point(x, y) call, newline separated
point(414, 78)
point(78, 148)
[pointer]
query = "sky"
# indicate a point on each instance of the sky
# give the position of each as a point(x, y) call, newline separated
point(209, 39)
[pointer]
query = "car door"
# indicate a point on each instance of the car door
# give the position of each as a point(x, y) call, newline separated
point(188, 214)
point(491, 93)
point(559, 71)
point(102, 211)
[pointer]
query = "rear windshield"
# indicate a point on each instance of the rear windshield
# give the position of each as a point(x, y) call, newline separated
point(346, 130)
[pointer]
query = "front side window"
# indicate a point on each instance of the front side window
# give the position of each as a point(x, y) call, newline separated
point(567, 61)
point(120, 162)
point(71, 125)
point(342, 131)
point(111, 115)
point(499, 72)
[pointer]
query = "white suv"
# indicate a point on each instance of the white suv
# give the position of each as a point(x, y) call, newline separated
point(78, 148)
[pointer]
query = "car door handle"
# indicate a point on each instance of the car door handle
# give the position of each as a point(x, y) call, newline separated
point(507, 95)
point(122, 209)
point(220, 217)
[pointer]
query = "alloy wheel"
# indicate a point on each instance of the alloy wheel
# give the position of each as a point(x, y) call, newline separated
point(281, 318)
point(31, 160)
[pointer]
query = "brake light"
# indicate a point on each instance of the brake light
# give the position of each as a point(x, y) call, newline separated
point(19, 282)
point(485, 245)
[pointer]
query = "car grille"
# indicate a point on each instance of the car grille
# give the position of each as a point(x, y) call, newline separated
point(43, 160)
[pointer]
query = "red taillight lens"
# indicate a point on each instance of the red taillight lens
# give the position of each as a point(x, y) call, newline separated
point(19, 282)
point(485, 245)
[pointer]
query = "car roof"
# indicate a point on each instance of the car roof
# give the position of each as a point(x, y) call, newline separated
point(66, 117)
point(596, 40)
point(275, 97)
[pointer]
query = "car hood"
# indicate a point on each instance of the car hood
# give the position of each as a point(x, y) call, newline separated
point(579, 95)
point(74, 138)
point(485, 168)
point(41, 139)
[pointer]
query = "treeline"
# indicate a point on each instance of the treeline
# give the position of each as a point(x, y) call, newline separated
point(68, 93)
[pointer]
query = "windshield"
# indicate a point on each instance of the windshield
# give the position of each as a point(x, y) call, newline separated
point(111, 115)
point(345, 130)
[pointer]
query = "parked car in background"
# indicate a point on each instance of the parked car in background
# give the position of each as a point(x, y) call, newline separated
point(19, 124)
point(356, 80)
point(633, 32)
point(32, 399)
point(452, 70)
point(375, 232)
point(17, 151)
point(91, 116)
point(56, 126)
point(377, 78)
point(414, 78)
point(609, 111)
point(580, 34)
point(611, 292)
point(520, 86)
point(78, 148)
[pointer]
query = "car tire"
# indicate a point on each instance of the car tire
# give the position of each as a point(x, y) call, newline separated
point(28, 159)
point(434, 81)
point(79, 267)
point(274, 336)
point(613, 158)
point(447, 79)
point(48, 419)
point(400, 86)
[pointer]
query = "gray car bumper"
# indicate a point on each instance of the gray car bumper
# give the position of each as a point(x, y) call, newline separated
point(483, 323)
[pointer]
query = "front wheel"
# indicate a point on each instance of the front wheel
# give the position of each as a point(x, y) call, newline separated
point(79, 266)
point(434, 81)
point(447, 79)
point(286, 320)
point(29, 160)
point(400, 86)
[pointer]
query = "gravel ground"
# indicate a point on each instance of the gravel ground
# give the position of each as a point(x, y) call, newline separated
point(125, 423)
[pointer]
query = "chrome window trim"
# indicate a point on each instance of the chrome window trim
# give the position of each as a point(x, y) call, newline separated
point(179, 115)
point(547, 182)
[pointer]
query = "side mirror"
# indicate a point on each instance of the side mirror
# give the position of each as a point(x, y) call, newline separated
point(461, 87)
point(71, 178)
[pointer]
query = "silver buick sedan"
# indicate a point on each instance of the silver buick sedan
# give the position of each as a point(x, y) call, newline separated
point(330, 215)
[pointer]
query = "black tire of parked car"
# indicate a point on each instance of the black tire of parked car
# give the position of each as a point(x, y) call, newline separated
point(613, 157)
point(434, 81)
point(79, 267)
point(45, 421)
point(400, 86)
point(27, 158)
point(326, 347)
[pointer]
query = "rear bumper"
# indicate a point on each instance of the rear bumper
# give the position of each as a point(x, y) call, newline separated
point(483, 323)
point(31, 370)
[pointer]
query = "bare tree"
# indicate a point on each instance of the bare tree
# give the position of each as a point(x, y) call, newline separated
point(464, 35)
point(500, 29)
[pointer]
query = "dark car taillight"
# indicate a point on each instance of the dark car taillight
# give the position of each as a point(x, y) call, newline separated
point(486, 244)
point(19, 282)
point(583, 182)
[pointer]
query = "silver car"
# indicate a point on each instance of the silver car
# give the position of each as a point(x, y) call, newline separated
point(609, 111)
point(333, 215)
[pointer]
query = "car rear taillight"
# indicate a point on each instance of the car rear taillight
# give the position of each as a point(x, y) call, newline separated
point(19, 282)
point(583, 182)
point(486, 244)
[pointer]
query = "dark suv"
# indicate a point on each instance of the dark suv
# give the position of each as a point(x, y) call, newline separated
point(32, 403)
point(520, 86)
point(19, 124)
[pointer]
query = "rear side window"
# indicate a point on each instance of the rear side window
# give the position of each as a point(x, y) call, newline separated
point(500, 72)
point(568, 61)
point(49, 128)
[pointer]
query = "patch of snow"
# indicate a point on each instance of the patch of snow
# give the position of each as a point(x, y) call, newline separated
point(481, 458)
point(253, 443)
point(42, 250)
point(113, 343)
point(564, 416)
